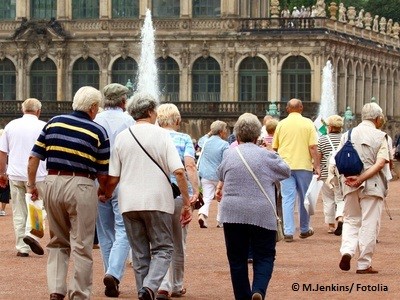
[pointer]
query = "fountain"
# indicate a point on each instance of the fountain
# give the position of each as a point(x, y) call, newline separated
point(147, 73)
point(328, 105)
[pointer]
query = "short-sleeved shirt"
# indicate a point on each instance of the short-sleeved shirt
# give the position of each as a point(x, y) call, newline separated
point(142, 185)
point(74, 143)
point(325, 148)
point(17, 141)
point(293, 137)
point(211, 157)
point(184, 145)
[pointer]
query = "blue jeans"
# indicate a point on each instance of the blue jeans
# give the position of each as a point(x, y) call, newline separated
point(296, 185)
point(114, 244)
point(238, 239)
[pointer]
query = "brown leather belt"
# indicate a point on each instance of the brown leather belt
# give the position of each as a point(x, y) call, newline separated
point(70, 173)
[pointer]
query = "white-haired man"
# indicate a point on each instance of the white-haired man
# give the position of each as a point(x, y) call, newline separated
point(364, 193)
point(77, 151)
point(15, 145)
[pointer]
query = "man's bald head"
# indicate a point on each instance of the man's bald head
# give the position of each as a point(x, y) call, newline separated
point(294, 105)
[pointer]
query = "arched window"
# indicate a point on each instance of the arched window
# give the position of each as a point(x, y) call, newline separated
point(85, 9)
point(124, 70)
point(43, 9)
point(166, 8)
point(7, 80)
point(296, 79)
point(7, 9)
point(44, 80)
point(253, 80)
point(206, 83)
point(206, 8)
point(125, 8)
point(168, 79)
point(85, 72)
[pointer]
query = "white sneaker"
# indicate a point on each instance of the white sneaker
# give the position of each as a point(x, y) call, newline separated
point(2, 213)
point(202, 221)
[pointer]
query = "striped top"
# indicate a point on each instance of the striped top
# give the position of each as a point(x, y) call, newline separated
point(325, 148)
point(74, 143)
point(183, 143)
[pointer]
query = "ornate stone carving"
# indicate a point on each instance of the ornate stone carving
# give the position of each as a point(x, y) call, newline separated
point(105, 56)
point(320, 8)
point(164, 50)
point(205, 52)
point(42, 45)
point(274, 9)
point(2, 54)
point(382, 25)
point(375, 26)
point(333, 10)
point(367, 20)
point(31, 29)
point(231, 57)
point(389, 26)
point(124, 50)
point(342, 13)
point(396, 30)
point(85, 50)
point(351, 14)
point(185, 56)
point(360, 19)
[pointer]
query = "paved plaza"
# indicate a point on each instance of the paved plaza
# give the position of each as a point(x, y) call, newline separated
point(304, 269)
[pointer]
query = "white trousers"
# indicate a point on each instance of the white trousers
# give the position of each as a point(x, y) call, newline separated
point(209, 187)
point(333, 203)
point(362, 214)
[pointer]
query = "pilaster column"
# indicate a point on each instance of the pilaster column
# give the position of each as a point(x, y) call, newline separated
point(105, 9)
point(61, 73)
point(21, 8)
point(61, 10)
point(228, 8)
point(274, 90)
point(186, 9)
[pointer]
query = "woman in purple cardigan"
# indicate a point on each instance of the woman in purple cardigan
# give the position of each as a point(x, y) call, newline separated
point(248, 217)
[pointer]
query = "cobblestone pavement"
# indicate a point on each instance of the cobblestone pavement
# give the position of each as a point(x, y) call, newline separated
point(303, 264)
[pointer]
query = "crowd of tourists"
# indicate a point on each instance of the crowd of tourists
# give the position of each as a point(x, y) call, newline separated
point(121, 168)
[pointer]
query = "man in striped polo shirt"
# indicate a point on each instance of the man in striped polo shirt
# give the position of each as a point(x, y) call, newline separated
point(77, 151)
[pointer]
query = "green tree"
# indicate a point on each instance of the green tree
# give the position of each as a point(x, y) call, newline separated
point(384, 8)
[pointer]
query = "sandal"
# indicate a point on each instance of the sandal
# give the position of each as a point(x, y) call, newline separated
point(179, 293)
point(307, 234)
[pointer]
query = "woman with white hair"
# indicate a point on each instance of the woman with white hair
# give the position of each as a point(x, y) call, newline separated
point(332, 196)
point(141, 160)
point(168, 117)
point(209, 160)
point(248, 217)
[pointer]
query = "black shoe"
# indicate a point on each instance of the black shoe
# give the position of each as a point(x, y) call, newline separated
point(145, 294)
point(35, 246)
point(22, 254)
point(56, 296)
point(345, 262)
point(339, 228)
point(111, 283)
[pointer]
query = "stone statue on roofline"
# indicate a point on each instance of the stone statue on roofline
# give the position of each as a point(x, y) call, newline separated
point(342, 13)
point(320, 7)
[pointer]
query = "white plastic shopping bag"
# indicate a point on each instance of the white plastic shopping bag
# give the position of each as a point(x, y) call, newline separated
point(310, 200)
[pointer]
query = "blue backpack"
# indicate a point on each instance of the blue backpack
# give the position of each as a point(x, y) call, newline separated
point(347, 160)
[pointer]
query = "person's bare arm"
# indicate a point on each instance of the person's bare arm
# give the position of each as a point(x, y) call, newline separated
point(316, 159)
point(106, 191)
point(33, 164)
point(186, 214)
point(191, 170)
point(3, 169)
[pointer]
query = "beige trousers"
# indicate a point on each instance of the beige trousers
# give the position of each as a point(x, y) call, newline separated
point(362, 214)
point(71, 205)
point(20, 212)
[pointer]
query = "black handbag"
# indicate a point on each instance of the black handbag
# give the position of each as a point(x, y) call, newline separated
point(175, 189)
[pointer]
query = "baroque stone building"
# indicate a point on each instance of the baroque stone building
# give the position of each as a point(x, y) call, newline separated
point(222, 51)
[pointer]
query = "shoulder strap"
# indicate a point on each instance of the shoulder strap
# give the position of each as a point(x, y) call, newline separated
point(148, 154)
point(349, 135)
point(256, 180)
point(330, 142)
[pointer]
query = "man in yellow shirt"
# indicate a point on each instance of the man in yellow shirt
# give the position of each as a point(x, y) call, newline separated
point(296, 141)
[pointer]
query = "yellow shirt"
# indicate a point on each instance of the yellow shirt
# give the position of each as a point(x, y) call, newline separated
point(292, 138)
